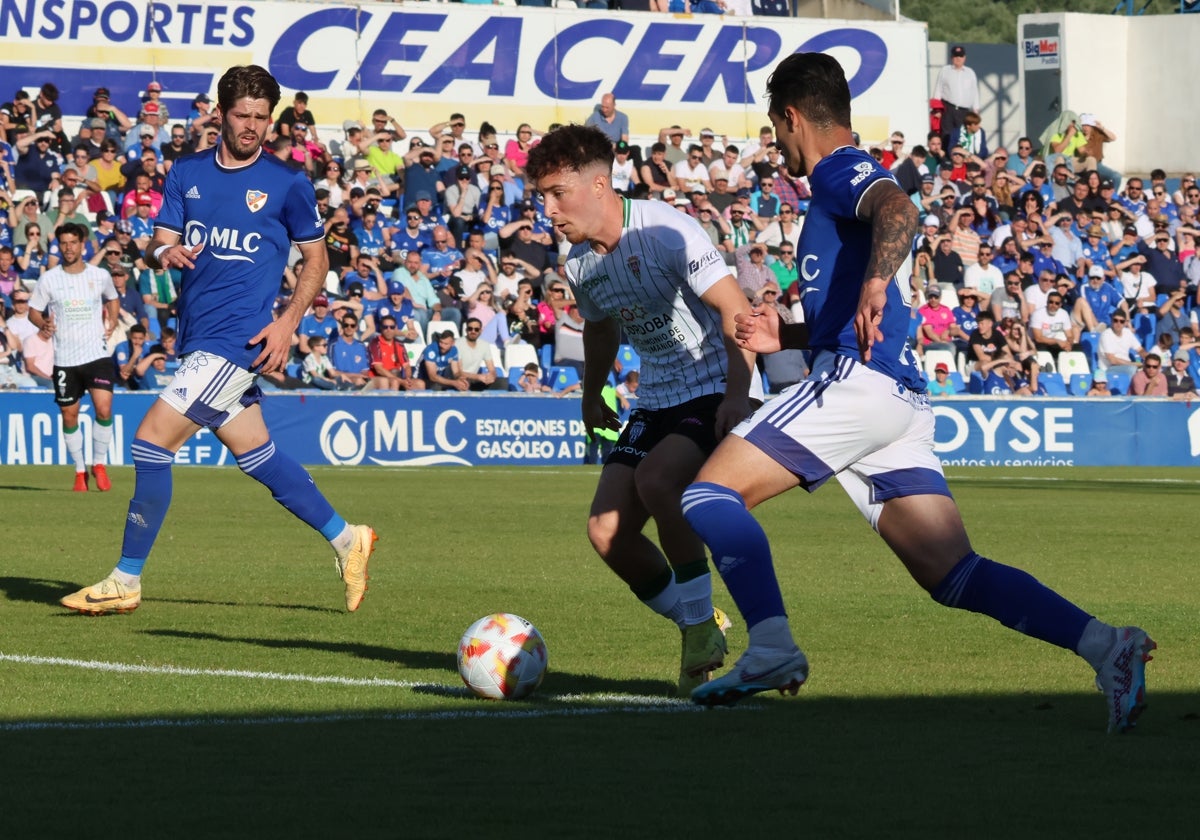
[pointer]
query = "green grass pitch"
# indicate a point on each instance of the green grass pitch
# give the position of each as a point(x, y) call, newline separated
point(241, 700)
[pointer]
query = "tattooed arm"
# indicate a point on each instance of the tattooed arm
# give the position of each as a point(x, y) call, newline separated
point(893, 219)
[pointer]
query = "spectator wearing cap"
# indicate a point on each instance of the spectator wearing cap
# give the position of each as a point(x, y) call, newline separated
point(958, 88)
point(941, 386)
point(1180, 385)
point(624, 173)
point(420, 173)
point(141, 221)
point(117, 247)
point(910, 171)
point(605, 117)
point(656, 172)
point(1095, 248)
point(354, 144)
point(199, 117)
point(116, 122)
point(708, 152)
point(363, 177)
point(938, 327)
point(753, 273)
point(462, 203)
point(397, 305)
point(316, 324)
point(149, 118)
point(91, 132)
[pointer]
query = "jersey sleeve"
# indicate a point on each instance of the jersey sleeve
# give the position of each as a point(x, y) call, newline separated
point(695, 258)
point(107, 290)
point(300, 217)
point(846, 179)
point(170, 215)
point(587, 307)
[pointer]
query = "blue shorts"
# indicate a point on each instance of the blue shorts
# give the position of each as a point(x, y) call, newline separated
point(846, 420)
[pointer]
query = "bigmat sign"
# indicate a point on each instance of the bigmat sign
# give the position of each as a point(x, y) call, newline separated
point(422, 61)
point(529, 430)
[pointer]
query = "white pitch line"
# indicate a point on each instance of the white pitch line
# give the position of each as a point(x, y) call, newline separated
point(574, 704)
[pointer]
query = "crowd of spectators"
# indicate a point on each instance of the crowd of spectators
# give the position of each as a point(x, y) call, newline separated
point(441, 259)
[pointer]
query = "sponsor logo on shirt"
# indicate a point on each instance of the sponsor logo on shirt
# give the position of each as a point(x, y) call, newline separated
point(708, 259)
point(863, 169)
point(224, 243)
point(193, 192)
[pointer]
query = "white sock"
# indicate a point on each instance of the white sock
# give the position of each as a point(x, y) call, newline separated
point(343, 542)
point(74, 442)
point(1095, 643)
point(696, 596)
point(772, 633)
point(101, 438)
point(669, 602)
point(127, 580)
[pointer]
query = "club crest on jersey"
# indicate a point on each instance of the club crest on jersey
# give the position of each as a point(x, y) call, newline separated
point(255, 200)
point(635, 265)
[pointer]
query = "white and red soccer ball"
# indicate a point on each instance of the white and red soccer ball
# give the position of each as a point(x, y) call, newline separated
point(502, 657)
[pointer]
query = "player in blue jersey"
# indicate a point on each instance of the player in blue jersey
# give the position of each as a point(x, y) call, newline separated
point(862, 417)
point(228, 219)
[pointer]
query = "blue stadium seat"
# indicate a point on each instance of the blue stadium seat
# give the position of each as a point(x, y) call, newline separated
point(629, 359)
point(955, 379)
point(546, 356)
point(1053, 383)
point(1118, 383)
point(1144, 325)
point(514, 374)
point(1090, 342)
point(294, 369)
point(562, 378)
point(1079, 384)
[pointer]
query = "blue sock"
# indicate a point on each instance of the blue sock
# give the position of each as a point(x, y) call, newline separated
point(1014, 598)
point(148, 507)
point(292, 486)
point(739, 547)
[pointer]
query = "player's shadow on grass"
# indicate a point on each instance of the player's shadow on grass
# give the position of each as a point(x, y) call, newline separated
point(36, 590)
point(23, 488)
point(431, 660)
point(305, 607)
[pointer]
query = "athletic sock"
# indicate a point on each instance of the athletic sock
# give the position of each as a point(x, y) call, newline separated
point(127, 580)
point(102, 432)
point(74, 440)
point(1097, 640)
point(292, 486)
point(695, 591)
point(739, 549)
point(1014, 598)
point(662, 595)
point(148, 507)
point(342, 539)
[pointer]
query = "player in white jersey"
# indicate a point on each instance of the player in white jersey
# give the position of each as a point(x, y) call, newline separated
point(229, 217)
point(78, 305)
point(650, 269)
point(863, 417)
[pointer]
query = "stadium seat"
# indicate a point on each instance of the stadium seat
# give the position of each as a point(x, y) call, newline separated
point(1053, 383)
point(1144, 325)
point(935, 357)
point(1079, 383)
point(629, 359)
point(955, 378)
point(562, 378)
point(440, 326)
point(1090, 342)
point(1071, 362)
point(1118, 383)
point(1046, 361)
point(516, 356)
point(949, 295)
point(514, 374)
point(500, 369)
point(975, 383)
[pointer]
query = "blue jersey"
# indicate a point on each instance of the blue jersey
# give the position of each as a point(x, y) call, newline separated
point(441, 361)
point(834, 249)
point(403, 242)
point(246, 218)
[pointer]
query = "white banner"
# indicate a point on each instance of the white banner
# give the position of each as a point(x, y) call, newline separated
point(422, 61)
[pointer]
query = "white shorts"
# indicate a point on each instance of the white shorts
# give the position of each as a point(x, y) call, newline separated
point(852, 422)
point(210, 390)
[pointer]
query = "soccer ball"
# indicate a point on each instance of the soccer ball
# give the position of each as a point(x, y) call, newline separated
point(502, 657)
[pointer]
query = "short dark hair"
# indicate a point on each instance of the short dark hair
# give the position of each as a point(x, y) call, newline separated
point(571, 148)
point(72, 229)
point(244, 81)
point(815, 85)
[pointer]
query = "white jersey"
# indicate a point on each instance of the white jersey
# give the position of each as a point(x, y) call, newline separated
point(651, 284)
point(76, 302)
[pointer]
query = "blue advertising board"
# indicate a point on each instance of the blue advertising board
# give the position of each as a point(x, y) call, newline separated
point(528, 430)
